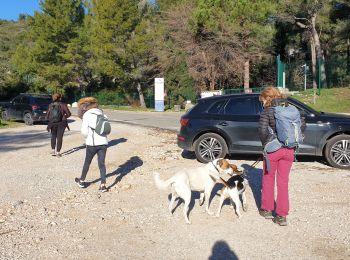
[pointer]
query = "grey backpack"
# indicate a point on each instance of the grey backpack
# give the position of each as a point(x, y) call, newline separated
point(288, 125)
point(103, 126)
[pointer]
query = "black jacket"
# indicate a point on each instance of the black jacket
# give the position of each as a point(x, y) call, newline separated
point(65, 114)
point(267, 119)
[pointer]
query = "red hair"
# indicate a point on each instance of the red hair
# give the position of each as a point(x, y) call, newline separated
point(269, 94)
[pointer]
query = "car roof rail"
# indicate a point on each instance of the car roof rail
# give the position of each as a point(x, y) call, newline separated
point(36, 94)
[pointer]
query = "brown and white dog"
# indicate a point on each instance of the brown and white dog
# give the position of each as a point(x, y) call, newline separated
point(233, 188)
point(200, 179)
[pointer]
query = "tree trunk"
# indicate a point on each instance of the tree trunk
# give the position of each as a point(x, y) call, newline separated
point(212, 77)
point(246, 77)
point(319, 52)
point(314, 68)
point(142, 99)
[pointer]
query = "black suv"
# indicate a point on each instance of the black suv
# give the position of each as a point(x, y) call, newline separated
point(222, 125)
point(27, 107)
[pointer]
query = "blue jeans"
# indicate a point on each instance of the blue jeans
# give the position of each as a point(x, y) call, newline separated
point(91, 151)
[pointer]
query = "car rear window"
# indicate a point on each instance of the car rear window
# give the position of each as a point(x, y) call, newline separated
point(216, 107)
point(240, 106)
point(41, 100)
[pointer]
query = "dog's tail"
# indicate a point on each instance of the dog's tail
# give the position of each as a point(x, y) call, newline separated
point(162, 185)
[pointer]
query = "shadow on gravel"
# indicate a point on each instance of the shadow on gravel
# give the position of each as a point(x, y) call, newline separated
point(110, 144)
point(116, 141)
point(221, 250)
point(254, 178)
point(178, 201)
point(74, 149)
point(253, 157)
point(188, 155)
point(133, 163)
point(14, 141)
point(4, 149)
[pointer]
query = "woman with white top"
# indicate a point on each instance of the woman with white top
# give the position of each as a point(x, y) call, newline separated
point(95, 143)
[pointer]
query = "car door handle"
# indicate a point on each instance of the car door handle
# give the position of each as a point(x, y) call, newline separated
point(223, 123)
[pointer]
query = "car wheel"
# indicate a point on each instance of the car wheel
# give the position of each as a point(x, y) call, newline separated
point(337, 151)
point(209, 147)
point(4, 116)
point(28, 119)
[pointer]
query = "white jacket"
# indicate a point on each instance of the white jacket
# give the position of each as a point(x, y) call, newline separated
point(89, 121)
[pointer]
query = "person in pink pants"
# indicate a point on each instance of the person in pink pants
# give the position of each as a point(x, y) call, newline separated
point(280, 161)
point(280, 164)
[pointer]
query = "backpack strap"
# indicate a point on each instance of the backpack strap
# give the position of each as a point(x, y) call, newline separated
point(93, 129)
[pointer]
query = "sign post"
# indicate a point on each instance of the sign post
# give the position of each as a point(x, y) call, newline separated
point(159, 94)
point(281, 75)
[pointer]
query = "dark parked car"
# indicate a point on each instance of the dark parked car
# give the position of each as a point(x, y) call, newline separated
point(222, 125)
point(27, 107)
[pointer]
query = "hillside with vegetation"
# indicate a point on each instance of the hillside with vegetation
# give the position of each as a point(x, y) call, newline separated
point(11, 34)
point(114, 49)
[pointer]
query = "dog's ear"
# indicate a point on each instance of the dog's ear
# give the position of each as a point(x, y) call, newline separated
point(235, 169)
point(220, 163)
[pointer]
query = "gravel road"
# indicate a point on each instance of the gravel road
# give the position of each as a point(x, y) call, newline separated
point(44, 215)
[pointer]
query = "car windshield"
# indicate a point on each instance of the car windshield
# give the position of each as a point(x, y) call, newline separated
point(41, 100)
point(304, 106)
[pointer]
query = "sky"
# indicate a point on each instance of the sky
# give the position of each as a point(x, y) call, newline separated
point(10, 9)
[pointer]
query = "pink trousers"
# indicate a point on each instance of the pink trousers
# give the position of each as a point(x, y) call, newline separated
point(280, 164)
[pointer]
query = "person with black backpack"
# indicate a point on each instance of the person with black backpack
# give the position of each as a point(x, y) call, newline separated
point(57, 115)
point(95, 128)
point(281, 128)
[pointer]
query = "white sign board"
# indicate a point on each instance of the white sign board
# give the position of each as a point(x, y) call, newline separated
point(159, 94)
point(159, 89)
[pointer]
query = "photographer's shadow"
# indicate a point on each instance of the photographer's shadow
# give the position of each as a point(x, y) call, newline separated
point(221, 250)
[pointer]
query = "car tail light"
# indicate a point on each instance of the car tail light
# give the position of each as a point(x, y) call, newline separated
point(181, 138)
point(35, 107)
point(184, 121)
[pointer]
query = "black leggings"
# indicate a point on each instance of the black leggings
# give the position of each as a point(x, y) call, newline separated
point(57, 132)
point(100, 150)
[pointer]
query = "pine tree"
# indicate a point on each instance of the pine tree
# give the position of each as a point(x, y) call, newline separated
point(50, 33)
point(111, 24)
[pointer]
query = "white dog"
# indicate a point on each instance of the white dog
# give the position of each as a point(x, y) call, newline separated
point(200, 179)
point(234, 187)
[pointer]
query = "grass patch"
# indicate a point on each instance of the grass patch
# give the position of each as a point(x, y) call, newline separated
point(133, 109)
point(336, 100)
point(9, 124)
point(126, 108)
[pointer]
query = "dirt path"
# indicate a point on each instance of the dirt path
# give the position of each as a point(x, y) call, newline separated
point(44, 215)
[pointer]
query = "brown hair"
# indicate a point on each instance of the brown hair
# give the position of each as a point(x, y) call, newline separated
point(56, 97)
point(88, 103)
point(269, 94)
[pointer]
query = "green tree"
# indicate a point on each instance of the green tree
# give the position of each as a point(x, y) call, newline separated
point(307, 15)
point(11, 34)
point(51, 33)
point(111, 25)
point(140, 49)
point(221, 37)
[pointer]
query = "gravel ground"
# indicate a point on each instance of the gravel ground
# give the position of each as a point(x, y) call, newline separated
point(44, 215)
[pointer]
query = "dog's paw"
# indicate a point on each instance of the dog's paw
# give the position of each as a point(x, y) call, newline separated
point(245, 207)
point(217, 215)
point(239, 216)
